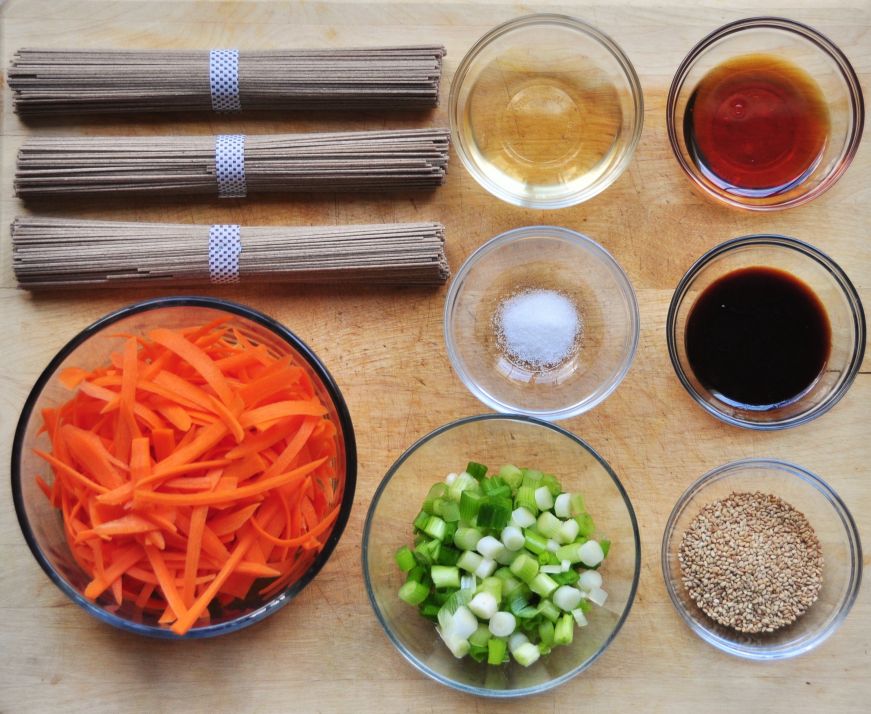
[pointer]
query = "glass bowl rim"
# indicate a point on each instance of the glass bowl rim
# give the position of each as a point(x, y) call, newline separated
point(592, 33)
point(575, 238)
point(834, 500)
point(777, 241)
point(822, 42)
point(278, 329)
point(367, 527)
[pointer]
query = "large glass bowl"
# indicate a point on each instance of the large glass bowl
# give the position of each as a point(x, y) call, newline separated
point(494, 440)
point(830, 519)
point(801, 46)
point(833, 289)
point(42, 524)
point(542, 258)
point(545, 111)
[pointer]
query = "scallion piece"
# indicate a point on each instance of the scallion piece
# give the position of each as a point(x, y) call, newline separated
point(542, 584)
point(413, 592)
point(481, 636)
point(469, 561)
point(420, 520)
point(534, 542)
point(476, 470)
point(532, 478)
point(564, 630)
point(527, 654)
point(461, 483)
point(512, 475)
point(436, 491)
point(548, 610)
point(566, 577)
point(496, 650)
point(552, 484)
point(470, 502)
point(405, 559)
point(606, 546)
point(492, 585)
point(524, 567)
point(445, 576)
point(435, 527)
point(467, 538)
point(522, 517)
point(548, 524)
point(543, 498)
point(447, 509)
point(525, 498)
point(545, 632)
point(586, 527)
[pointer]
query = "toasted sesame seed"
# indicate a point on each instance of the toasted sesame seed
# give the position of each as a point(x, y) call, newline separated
point(751, 562)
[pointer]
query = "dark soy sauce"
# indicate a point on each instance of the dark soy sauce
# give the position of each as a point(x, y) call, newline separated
point(756, 126)
point(757, 338)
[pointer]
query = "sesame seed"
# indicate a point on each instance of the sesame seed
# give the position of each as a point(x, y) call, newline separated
point(751, 562)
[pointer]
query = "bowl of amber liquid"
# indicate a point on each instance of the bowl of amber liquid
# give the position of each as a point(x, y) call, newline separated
point(545, 111)
point(765, 114)
point(766, 332)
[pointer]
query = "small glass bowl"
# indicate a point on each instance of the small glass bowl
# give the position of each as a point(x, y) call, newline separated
point(550, 258)
point(831, 286)
point(494, 439)
point(799, 45)
point(830, 519)
point(42, 524)
point(545, 111)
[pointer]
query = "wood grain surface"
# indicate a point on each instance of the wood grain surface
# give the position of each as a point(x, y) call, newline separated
point(325, 652)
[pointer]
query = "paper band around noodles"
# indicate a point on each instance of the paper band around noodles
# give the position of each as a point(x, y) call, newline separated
point(225, 246)
point(224, 80)
point(230, 165)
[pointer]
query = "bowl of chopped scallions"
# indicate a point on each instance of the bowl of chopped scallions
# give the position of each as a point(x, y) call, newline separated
point(501, 555)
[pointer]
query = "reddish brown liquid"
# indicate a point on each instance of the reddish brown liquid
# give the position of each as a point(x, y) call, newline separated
point(757, 337)
point(756, 125)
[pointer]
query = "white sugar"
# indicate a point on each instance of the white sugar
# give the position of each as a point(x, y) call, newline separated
point(538, 328)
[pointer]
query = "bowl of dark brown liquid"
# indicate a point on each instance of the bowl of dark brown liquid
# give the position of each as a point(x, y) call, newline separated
point(766, 332)
point(765, 113)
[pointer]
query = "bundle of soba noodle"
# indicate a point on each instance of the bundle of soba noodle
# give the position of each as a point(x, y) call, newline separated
point(47, 82)
point(61, 253)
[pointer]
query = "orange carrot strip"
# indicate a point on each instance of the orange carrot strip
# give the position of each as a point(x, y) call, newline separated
point(205, 439)
point(196, 358)
point(113, 400)
point(89, 451)
point(166, 581)
point(187, 620)
point(256, 443)
point(176, 415)
point(140, 459)
point(229, 418)
point(258, 570)
point(229, 496)
point(70, 471)
point(289, 542)
point(164, 443)
point(294, 446)
point(270, 385)
point(71, 377)
point(123, 559)
point(131, 523)
point(279, 410)
point(183, 389)
point(192, 560)
point(233, 521)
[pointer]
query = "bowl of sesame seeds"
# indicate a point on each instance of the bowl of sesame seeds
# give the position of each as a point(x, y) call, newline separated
point(762, 559)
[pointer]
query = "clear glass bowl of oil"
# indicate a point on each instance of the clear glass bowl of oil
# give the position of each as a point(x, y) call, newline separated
point(545, 111)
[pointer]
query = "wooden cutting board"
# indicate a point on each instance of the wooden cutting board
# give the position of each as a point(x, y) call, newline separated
point(326, 651)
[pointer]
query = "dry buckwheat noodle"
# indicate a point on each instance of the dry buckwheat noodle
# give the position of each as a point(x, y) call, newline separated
point(326, 161)
point(61, 253)
point(59, 82)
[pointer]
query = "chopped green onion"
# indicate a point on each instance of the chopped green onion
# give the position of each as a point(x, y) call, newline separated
point(430, 611)
point(606, 546)
point(566, 597)
point(435, 527)
point(470, 501)
point(512, 475)
point(543, 498)
point(496, 650)
point(548, 558)
point(420, 520)
point(467, 538)
point(448, 555)
point(413, 592)
point(548, 524)
point(543, 584)
point(535, 542)
point(484, 605)
point(586, 527)
point(461, 483)
point(495, 488)
point(562, 506)
point(417, 573)
point(597, 596)
point(545, 632)
point(571, 552)
point(577, 504)
point(445, 576)
point(485, 568)
point(525, 498)
point(522, 517)
point(495, 512)
point(476, 470)
point(564, 630)
point(481, 636)
point(554, 486)
point(447, 509)
point(405, 559)
point(526, 654)
point(478, 652)
point(524, 567)
point(567, 577)
point(469, 561)
point(436, 491)
point(568, 531)
point(489, 547)
point(532, 478)
point(591, 553)
point(502, 624)
point(492, 585)
point(590, 579)
point(427, 552)
point(548, 610)
point(580, 618)
point(512, 538)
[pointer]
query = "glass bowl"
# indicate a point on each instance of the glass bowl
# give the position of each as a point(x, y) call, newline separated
point(833, 524)
point(820, 61)
point(42, 524)
point(545, 111)
point(826, 280)
point(542, 258)
point(495, 439)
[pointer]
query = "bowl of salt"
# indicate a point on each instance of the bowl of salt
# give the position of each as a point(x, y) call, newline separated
point(541, 321)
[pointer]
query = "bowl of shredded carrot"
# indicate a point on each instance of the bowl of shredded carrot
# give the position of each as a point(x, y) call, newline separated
point(183, 467)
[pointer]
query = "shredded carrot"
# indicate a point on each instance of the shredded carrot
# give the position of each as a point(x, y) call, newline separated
point(190, 468)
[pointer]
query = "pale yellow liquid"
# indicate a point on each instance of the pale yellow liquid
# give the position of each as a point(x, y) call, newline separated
point(542, 134)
